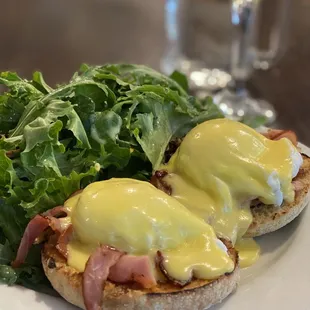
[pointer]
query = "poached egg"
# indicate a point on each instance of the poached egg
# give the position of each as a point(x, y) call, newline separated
point(222, 165)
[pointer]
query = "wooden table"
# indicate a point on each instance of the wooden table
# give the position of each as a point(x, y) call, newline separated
point(56, 36)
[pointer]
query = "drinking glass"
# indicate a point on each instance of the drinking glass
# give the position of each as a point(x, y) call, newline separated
point(215, 43)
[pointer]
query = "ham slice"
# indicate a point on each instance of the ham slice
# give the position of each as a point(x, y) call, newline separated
point(53, 216)
point(55, 224)
point(96, 273)
point(107, 262)
point(58, 211)
point(63, 241)
point(133, 268)
point(157, 180)
point(277, 134)
point(34, 228)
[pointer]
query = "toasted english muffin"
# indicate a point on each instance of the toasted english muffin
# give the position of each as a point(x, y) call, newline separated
point(198, 295)
point(269, 218)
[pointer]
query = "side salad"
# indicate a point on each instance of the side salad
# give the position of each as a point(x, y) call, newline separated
point(107, 121)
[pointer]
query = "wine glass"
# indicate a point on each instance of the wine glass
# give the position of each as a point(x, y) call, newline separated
point(234, 100)
point(215, 42)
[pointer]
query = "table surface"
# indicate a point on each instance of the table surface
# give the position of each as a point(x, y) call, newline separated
point(57, 36)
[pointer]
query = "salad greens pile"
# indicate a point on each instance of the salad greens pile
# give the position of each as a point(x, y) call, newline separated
point(107, 121)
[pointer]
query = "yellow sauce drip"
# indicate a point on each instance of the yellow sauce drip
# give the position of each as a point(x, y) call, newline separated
point(78, 254)
point(248, 251)
point(135, 217)
point(228, 224)
point(195, 258)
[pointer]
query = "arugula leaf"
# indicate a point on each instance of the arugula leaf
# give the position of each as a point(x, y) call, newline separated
point(40, 117)
point(154, 126)
point(10, 112)
point(39, 83)
point(12, 222)
point(6, 253)
point(8, 275)
point(10, 144)
point(181, 79)
point(255, 122)
point(75, 125)
point(7, 172)
point(19, 88)
point(106, 126)
point(40, 159)
point(53, 190)
point(10, 77)
point(39, 131)
point(140, 75)
point(34, 278)
point(114, 155)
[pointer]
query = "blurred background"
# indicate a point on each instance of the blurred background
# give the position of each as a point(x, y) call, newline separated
point(56, 36)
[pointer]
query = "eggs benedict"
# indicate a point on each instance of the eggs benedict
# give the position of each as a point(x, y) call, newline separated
point(221, 167)
point(123, 244)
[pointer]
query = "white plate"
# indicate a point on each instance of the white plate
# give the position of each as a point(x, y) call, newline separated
point(280, 279)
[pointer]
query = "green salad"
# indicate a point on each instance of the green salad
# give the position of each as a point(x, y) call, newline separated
point(107, 121)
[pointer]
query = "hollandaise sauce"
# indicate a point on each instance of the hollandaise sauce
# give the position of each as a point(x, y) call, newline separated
point(135, 217)
point(221, 166)
point(248, 251)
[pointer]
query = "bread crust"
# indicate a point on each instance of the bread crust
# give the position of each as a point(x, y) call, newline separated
point(269, 218)
point(198, 295)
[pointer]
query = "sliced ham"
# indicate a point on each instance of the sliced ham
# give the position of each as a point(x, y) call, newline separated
point(54, 215)
point(33, 230)
point(96, 273)
point(58, 211)
point(63, 241)
point(157, 180)
point(55, 224)
point(59, 225)
point(133, 268)
point(277, 134)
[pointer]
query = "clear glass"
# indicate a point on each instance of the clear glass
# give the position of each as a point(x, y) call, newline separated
point(215, 42)
point(198, 41)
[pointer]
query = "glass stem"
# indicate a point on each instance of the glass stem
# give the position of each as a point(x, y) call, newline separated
point(239, 88)
point(243, 14)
